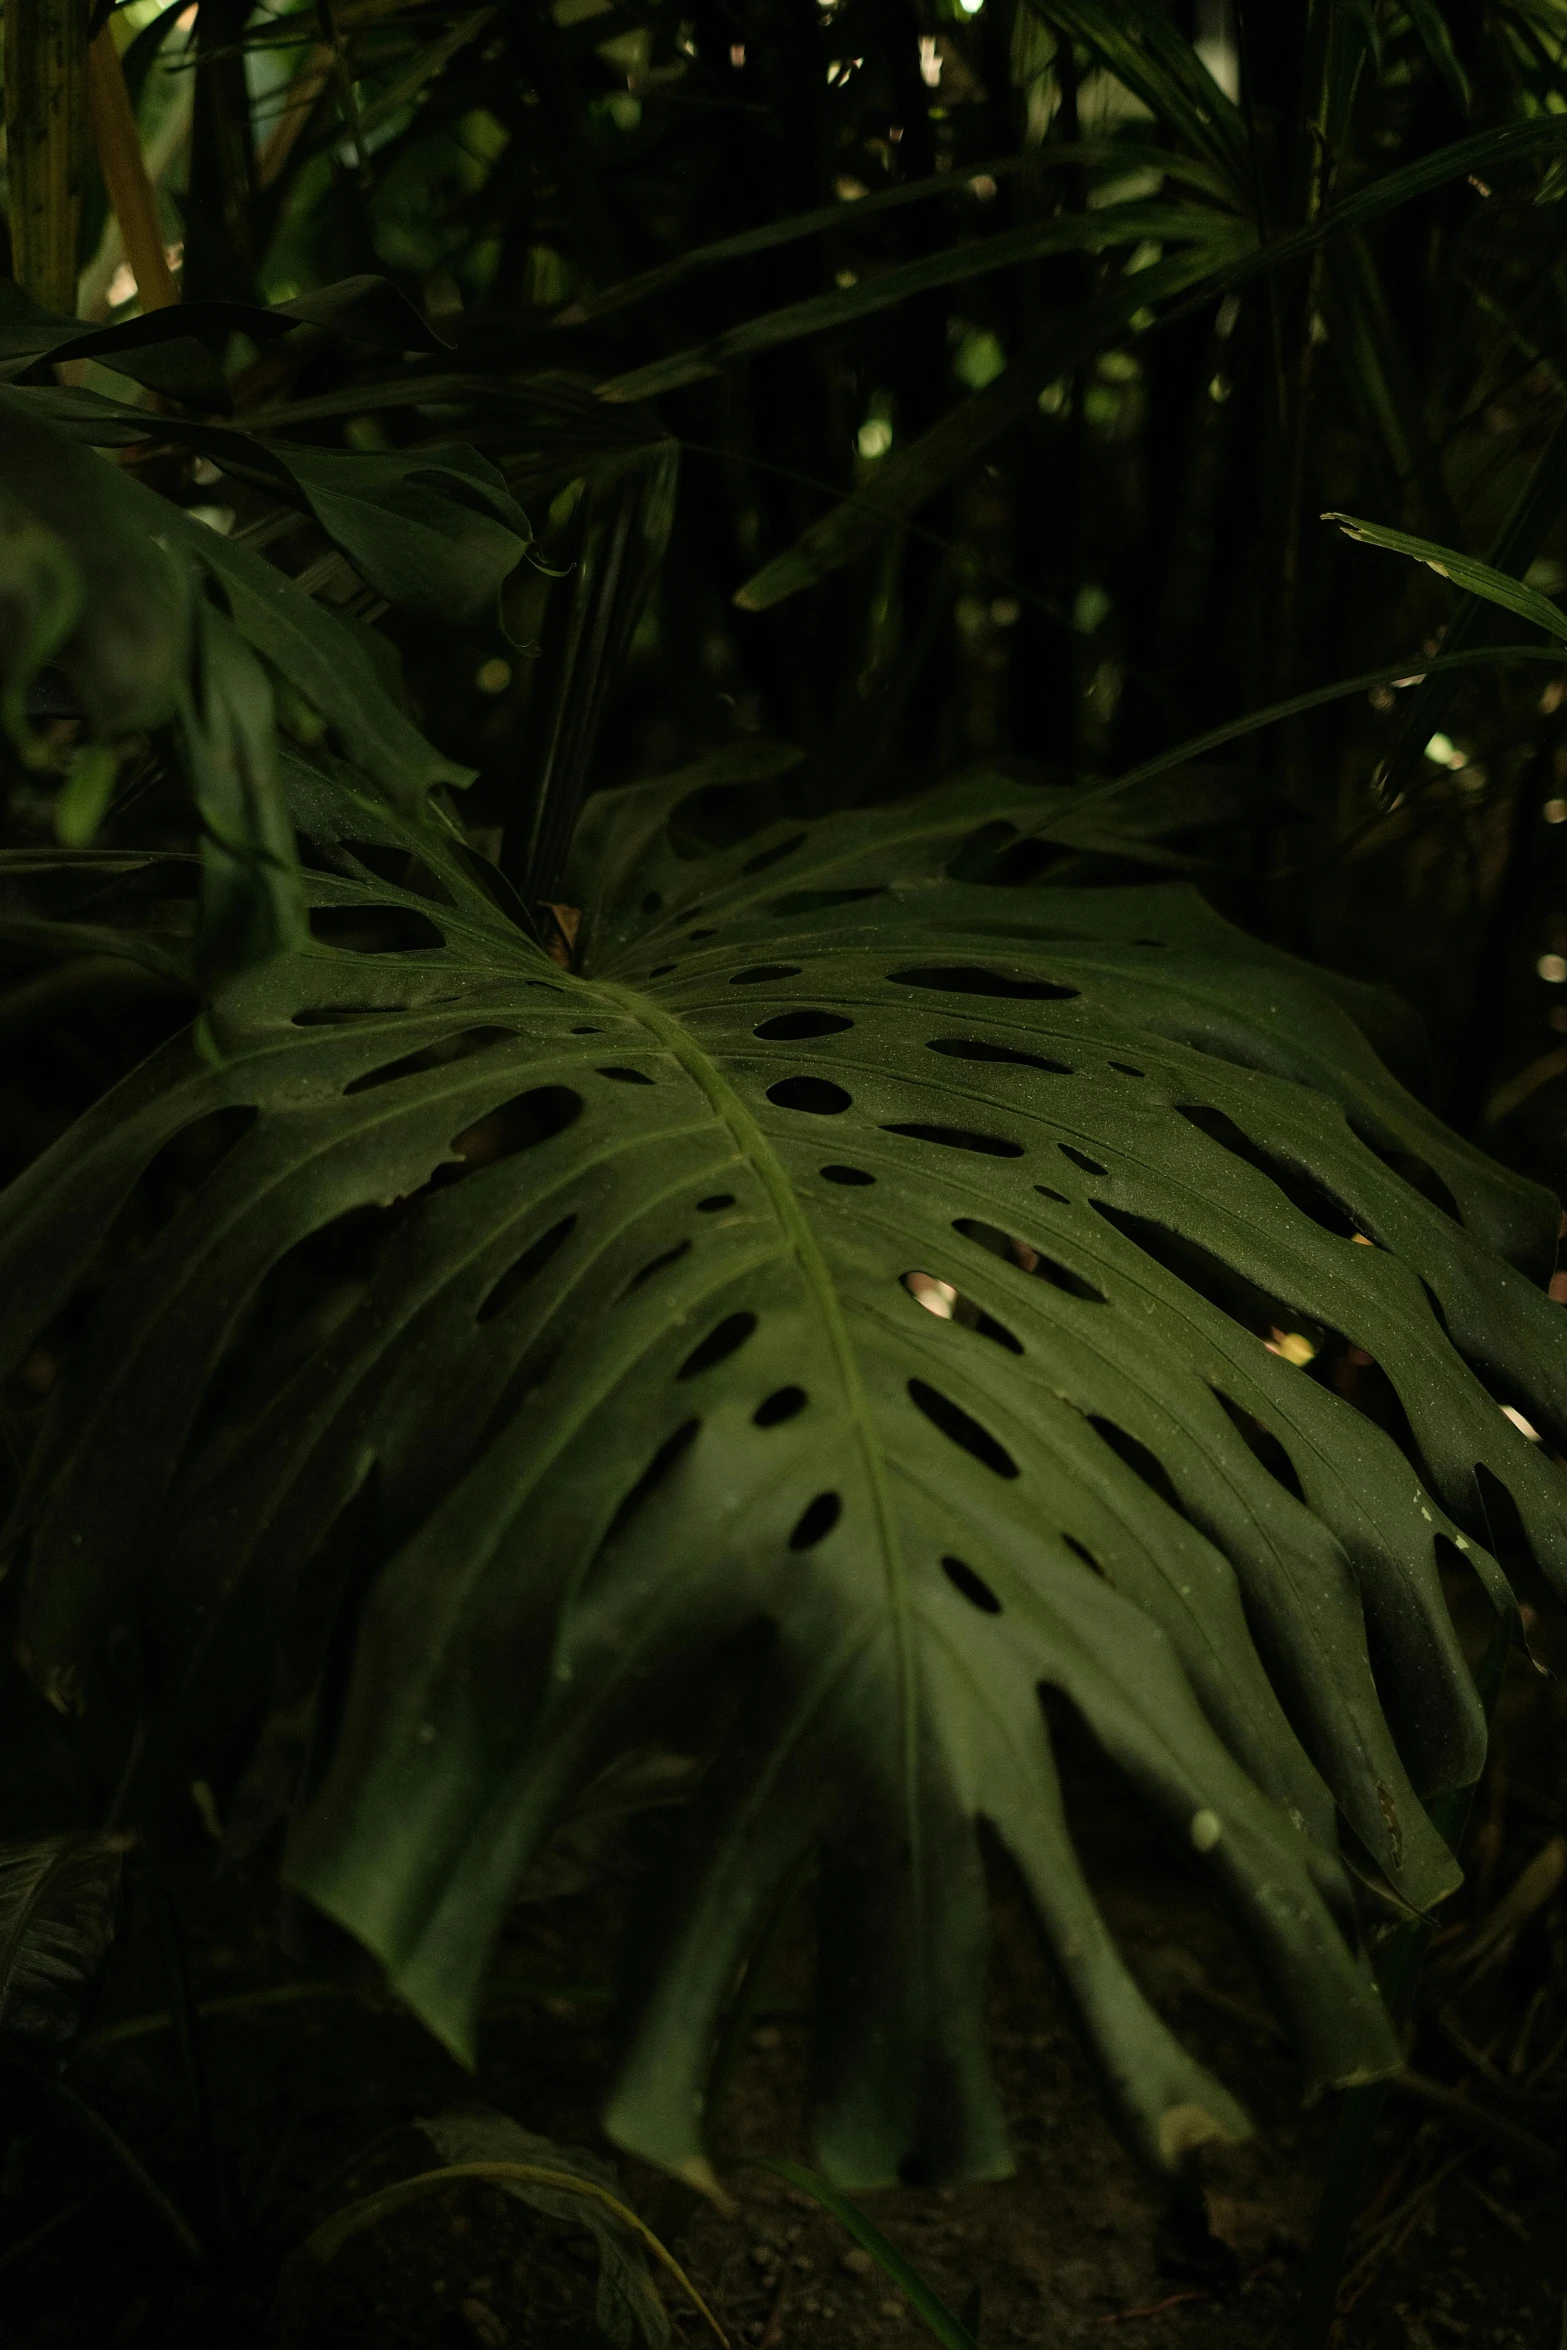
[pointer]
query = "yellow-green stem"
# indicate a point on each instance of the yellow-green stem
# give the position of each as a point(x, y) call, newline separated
point(124, 167)
point(46, 143)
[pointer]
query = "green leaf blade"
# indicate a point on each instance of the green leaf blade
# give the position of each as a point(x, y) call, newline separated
point(1465, 571)
point(655, 1360)
point(948, 2329)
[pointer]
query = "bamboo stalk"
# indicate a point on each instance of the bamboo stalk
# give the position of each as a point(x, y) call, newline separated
point(45, 126)
point(131, 193)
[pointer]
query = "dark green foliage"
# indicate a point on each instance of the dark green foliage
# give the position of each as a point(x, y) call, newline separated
point(660, 1368)
point(834, 1247)
point(59, 1907)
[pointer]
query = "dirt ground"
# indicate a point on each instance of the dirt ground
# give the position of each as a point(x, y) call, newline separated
point(312, 2097)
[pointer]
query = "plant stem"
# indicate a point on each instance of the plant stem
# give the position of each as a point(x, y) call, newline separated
point(1398, 1979)
point(94, 2126)
point(46, 144)
point(182, 2010)
point(138, 2027)
point(125, 176)
point(1474, 2118)
point(15, 2253)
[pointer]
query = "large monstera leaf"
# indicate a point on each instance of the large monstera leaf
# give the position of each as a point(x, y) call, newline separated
point(861, 1265)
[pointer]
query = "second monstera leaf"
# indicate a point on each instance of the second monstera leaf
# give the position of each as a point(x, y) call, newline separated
point(867, 1266)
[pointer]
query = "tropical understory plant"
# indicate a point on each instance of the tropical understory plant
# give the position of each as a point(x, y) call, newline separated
point(852, 1259)
point(802, 1283)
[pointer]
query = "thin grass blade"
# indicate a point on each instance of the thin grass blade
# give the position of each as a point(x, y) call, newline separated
point(1117, 156)
point(1437, 41)
point(1528, 526)
point(328, 2239)
point(947, 2327)
point(1086, 232)
point(910, 477)
point(1465, 571)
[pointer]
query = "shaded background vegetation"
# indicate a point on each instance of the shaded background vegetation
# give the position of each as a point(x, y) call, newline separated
point(1119, 543)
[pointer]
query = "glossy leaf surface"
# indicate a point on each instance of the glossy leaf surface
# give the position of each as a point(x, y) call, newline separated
point(896, 1281)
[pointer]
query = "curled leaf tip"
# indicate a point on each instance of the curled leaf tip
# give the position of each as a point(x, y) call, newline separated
point(1184, 2128)
point(699, 2174)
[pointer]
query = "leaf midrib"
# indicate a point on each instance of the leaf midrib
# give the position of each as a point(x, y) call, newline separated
point(754, 1146)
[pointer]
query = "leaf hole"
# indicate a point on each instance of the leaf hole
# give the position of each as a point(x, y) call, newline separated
point(627, 1076)
point(525, 1271)
point(460, 1047)
point(960, 1048)
point(697, 937)
point(1059, 1276)
point(587, 1030)
point(1136, 1456)
point(962, 1428)
point(970, 979)
point(1418, 1173)
point(662, 970)
point(937, 1297)
point(1498, 1523)
point(1081, 1159)
point(172, 1177)
point(375, 930)
point(714, 1201)
point(949, 1305)
point(816, 1521)
point(760, 974)
point(1360, 1379)
point(1080, 1550)
point(1264, 1444)
point(305, 1295)
point(659, 1468)
point(344, 1015)
point(719, 1344)
point(1450, 1559)
point(818, 1097)
point(1030, 1259)
point(1059, 1197)
point(854, 1176)
point(973, 1587)
point(659, 1264)
point(386, 861)
point(961, 1138)
point(518, 1125)
point(821, 901)
point(653, 902)
point(1255, 1309)
point(1300, 1189)
point(383, 860)
point(1125, 1069)
point(765, 858)
point(795, 1027)
point(781, 1405)
point(976, 859)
